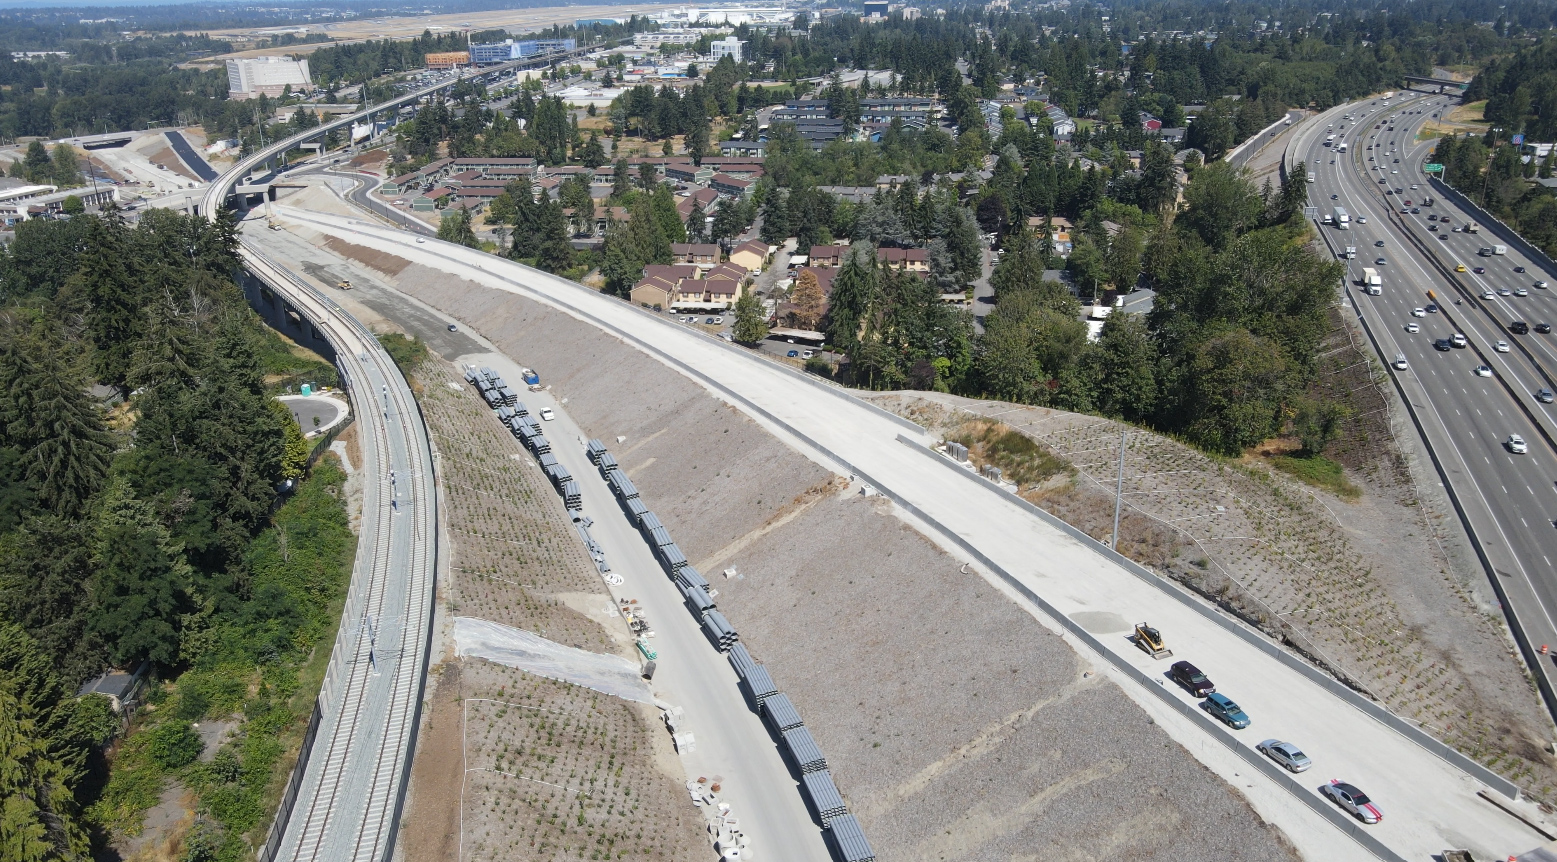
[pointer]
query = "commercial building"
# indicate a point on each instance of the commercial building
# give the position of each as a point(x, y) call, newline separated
point(876, 8)
point(447, 60)
point(271, 76)
point(502, 52)
point(729, 46)
point(666, 37)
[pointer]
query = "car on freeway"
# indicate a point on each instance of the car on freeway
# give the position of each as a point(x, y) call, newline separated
point(1442, 344)
point(1519, 291)
point(1378, 262)
point(454, 327)
point(1431, 308)
point(421, 239)
point(547, 415)
point(1519, 269)
point(1458, 340)
point(1501, 346)
point(1353, 800)
point(1413, 188)
point(793, 354)
point(1444, 237)
point(1362, 219)
point(1415, 210)
point(1459, 267)
point(1335, 197)
point(1543, 328)
point(1378, 244)
point(1541, 285)
point(1503, 291)
point(1190, 677)
point(1516, 444)
point(1432, 217)
point(1413, 328)
point(1519, 327)
point(1382, 182)
point(1288, 755)
point(1400, 362)
point(1456, 230)
point(1223, 709)
point(1544, 395)
point(1480, 270)
point(1486, 293)
point(1418, 312)
point(1483, 371)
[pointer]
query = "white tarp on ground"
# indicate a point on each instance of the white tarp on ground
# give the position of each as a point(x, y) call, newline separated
point(531, 653)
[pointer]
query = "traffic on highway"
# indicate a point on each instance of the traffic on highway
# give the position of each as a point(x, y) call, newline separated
point(1463, 320)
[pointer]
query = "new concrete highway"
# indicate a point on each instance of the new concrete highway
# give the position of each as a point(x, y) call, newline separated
point(352, 786)
point(1429, 802)
point(1508, 499)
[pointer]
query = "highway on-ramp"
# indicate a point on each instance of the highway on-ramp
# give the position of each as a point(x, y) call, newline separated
point(1430, 803)
point(1508, 499)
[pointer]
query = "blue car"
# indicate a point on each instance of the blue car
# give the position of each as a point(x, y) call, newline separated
point(1222, 707)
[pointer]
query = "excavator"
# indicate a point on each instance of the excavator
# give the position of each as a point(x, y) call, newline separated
point(1150, 640)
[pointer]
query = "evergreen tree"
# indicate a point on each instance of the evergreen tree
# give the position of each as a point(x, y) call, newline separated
point(775, 218)
point(751, 323)
point(141, 581)
point(47, 415)
point(455, 227)
point(554, 254)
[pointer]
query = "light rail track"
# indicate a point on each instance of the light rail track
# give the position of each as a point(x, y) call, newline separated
point(353, 782)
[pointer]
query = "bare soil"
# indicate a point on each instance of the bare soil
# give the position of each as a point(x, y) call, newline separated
point(1375, 590)
point(511, 765)
point(956, 724)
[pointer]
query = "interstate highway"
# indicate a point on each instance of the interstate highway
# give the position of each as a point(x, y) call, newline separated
point(1509, 500)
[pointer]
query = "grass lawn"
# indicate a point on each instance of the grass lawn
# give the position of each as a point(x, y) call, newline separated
point(1318, 471)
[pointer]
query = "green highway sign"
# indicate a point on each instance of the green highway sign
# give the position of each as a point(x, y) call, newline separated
point(1432, 168)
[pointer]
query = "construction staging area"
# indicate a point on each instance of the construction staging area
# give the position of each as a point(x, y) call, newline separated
point(977, 729)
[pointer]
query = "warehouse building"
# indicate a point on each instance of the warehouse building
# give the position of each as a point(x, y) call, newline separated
point(250, 77)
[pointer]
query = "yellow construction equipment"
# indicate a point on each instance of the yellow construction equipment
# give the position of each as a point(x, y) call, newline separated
point(343, 285)
point(1150, 640)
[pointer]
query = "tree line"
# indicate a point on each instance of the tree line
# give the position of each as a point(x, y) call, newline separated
point(141, 454)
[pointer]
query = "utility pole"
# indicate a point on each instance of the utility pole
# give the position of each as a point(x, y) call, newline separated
point(1113, 540)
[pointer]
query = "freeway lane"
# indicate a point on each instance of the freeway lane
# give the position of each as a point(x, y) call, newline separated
point(1509, 500)
point(1429, 803)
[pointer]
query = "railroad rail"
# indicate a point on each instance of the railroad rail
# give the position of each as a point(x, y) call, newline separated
point(351, 781)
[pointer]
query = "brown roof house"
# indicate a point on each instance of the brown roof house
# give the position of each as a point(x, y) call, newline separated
point(751, 255)
point(702, 254)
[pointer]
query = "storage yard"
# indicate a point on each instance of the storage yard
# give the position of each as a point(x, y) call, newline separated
point(510, 762)
point(915, 727)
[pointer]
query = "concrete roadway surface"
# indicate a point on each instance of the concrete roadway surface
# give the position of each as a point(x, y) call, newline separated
point(1429, 804)
point(1509, 499)
point(731, 741)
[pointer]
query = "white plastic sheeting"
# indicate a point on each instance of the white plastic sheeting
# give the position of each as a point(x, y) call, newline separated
point(531, 653)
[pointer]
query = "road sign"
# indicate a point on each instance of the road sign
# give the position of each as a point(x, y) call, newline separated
point(1432, 168)
point(1518, 140)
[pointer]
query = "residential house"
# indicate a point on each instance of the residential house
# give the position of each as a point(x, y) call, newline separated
point(1150, 123)
point(751, 255)
point(728, 185)
point(654, 292)
point(827, 255)
point(908, 259)
point(428, 201)
point(703, 255)
point(722, 293)
point(689, 173)
point(744, 149)
point(727, 272)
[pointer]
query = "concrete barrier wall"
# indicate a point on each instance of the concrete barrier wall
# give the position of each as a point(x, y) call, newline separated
point(1493, 227)
point(1270, 648)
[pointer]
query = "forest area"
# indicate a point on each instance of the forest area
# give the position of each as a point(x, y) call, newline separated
point(157, 512)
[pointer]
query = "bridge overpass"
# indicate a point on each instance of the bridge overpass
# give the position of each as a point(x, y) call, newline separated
point(1440, 85)
point(239, 179)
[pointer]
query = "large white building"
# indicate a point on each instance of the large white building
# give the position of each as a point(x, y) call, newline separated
point(729, 46)
point(248, 78)
point(666, 37)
